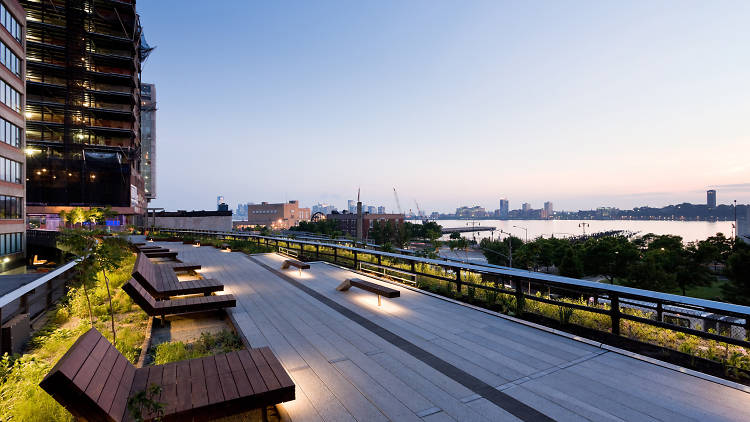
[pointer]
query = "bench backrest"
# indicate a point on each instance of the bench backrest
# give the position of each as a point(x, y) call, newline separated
point(140, 296)
point(92, 379)
point(146, 272)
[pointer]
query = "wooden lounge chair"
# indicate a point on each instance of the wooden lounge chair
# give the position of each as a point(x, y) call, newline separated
point(94, 382)
point(161, 282)
point(183, 266)
point(160, 254)
point(161, 308)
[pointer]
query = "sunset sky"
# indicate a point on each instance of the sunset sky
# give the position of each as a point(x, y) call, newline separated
point(452, 102)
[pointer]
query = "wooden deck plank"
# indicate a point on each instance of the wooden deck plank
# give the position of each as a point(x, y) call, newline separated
point(336, 363)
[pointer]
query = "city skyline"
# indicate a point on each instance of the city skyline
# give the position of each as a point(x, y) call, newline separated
point(584, 105)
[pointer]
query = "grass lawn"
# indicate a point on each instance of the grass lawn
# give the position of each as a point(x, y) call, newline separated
point(712, 292)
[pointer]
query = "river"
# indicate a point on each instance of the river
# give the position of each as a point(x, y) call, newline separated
point(688, 230)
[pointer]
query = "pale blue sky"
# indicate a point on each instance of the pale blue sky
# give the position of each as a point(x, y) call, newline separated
point(452, 102)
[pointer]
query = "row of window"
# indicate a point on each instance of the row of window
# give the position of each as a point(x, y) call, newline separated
point(10, 23)
point(10, 96)
point(10, 171)
point(11, 207)
point(265, 212)
point(10, 133)
point(11, 243)
point(9, 59)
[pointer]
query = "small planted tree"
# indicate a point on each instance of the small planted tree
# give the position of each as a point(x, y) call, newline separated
point(107, 257)
point(81, 243)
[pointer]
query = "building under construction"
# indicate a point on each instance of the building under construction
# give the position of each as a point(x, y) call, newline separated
point(83, 106)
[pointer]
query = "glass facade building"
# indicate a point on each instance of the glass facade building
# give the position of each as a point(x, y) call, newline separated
point(83, 106)
point(148, 139)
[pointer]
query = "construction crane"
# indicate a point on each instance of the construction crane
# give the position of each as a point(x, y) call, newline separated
point(398, 204)
point(419, 211)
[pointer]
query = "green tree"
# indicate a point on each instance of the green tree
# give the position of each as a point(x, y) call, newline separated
point(571, 264)
point(738, 272)
point(498, 251)
point(63, 217)
point(107, 257)
point(610, 256)
point(76, 216)
point(649, 273)
point(81, 243)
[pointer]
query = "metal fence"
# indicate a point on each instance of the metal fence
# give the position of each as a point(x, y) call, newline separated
point(706, 319)
point(37, 296)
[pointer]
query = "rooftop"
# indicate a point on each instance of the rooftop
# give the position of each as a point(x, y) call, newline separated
point(421, 357)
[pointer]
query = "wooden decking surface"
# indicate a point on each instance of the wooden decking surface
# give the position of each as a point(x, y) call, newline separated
point(344, 370)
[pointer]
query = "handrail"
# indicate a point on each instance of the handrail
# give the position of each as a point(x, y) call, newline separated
point(631, 292)
point(26, 288)
point(619, 302)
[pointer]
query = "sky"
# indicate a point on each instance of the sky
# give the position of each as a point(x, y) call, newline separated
point(584, 104)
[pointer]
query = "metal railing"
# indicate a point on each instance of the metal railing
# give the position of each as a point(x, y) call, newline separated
point(707, 319)
point(37, 296)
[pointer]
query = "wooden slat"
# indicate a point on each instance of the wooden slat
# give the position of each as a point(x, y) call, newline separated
point(112, 383)
point(84, 375)
point(77, 355)
point(265, 371)
point(213, 385)
point(226, 378)
point(256, 380)
point(198, 383)
point(103, 372)
point(275, 365)
point(120, 401)
point(184, 386)
point(244, 388)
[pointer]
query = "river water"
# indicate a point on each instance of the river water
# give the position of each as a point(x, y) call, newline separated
point(688, 230)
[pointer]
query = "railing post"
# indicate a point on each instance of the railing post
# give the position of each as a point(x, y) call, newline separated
point(355, 260)
point(659, 312)
point(379, 263)
point(458, 280)
point(48, 303)
point(519, 296)
point(614, 301)
point(317, 252)
point(25, 303)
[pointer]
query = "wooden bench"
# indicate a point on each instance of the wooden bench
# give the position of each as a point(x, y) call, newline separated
point(94, 382)
point(294, 263)
point(370, 287)
point(183, 266)
point(162, 308)
point(161, 282)
point(160, 254)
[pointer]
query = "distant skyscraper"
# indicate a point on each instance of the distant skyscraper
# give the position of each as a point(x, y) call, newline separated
point(381, 210)
point(548, 211)
point(351, 205)
point(526, 207)
point(503, 211)
point(711, 198)
point(219, 200)
point(148, 139)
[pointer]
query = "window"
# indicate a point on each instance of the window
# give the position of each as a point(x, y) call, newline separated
point(11, 243)
point(11, 207)
point(10, 133)
point(9, 59)
point(10, 171)
point(10, 23)
point(10, 96)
